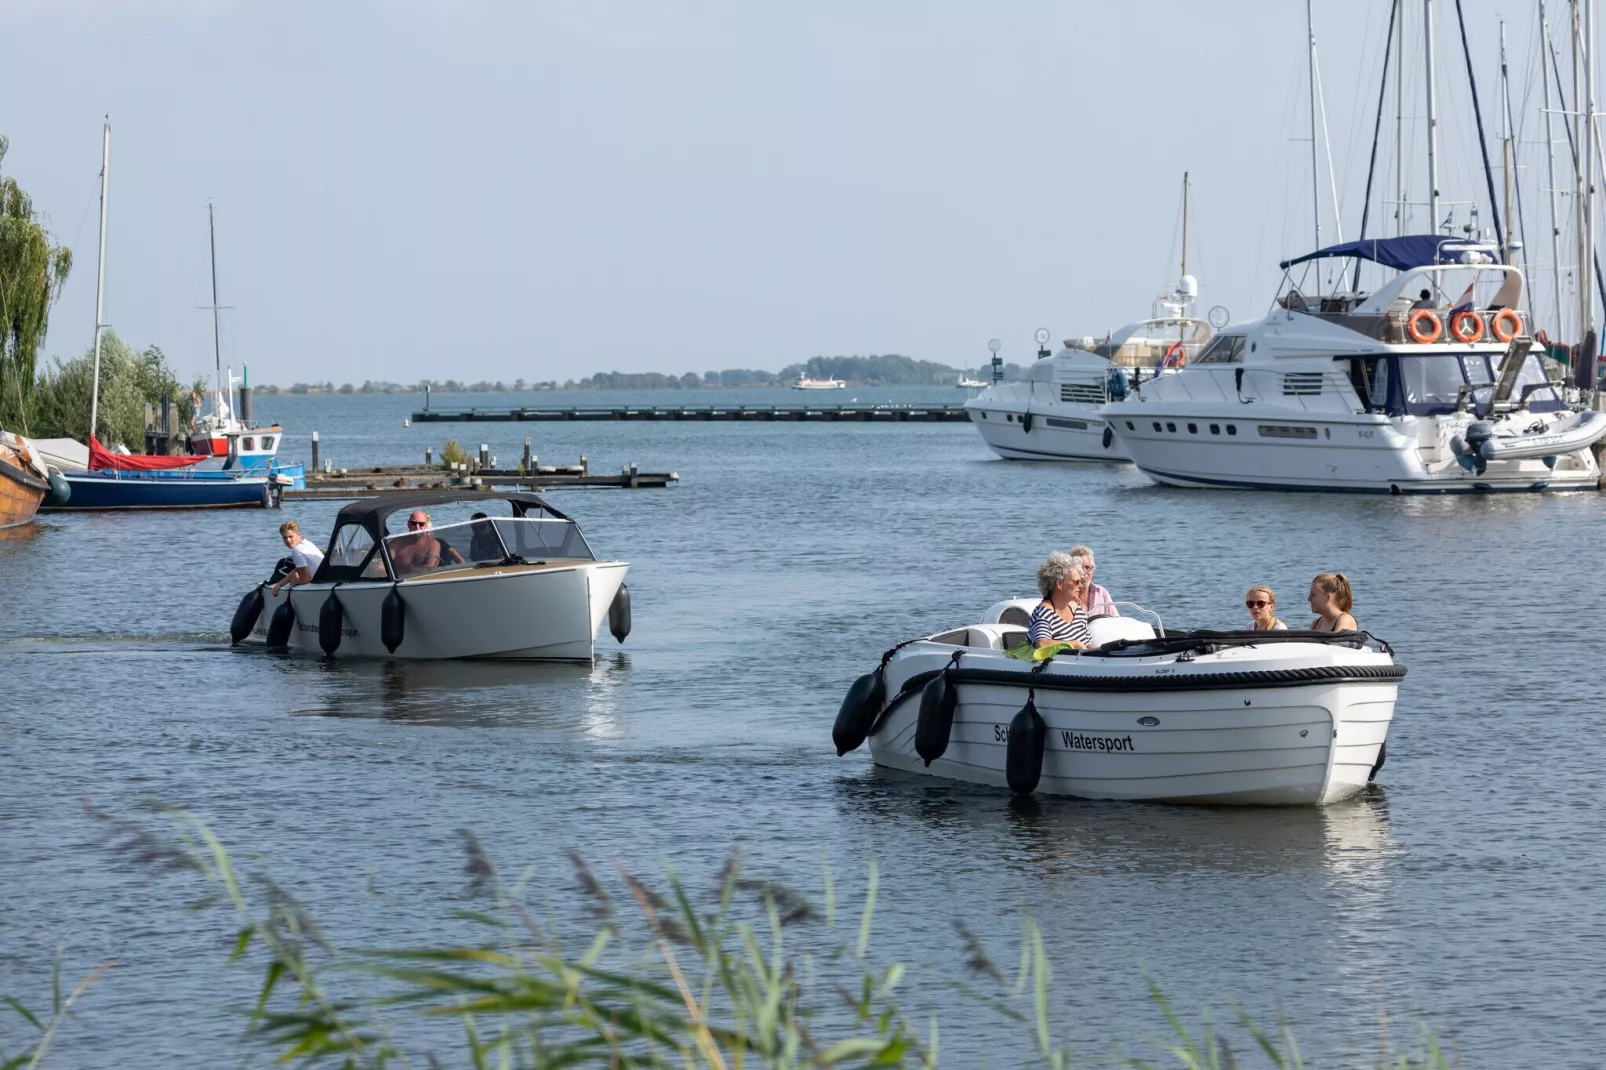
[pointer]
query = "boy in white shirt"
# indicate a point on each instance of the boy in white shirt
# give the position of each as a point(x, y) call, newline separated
point(307, 557)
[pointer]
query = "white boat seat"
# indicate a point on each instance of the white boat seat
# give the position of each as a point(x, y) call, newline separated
point(1015, 615)
point(1109, 629)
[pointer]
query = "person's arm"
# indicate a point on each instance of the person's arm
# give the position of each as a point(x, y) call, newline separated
point(296, 577)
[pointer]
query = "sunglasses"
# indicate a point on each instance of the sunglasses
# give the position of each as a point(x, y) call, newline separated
point(1256, 603)
point(418, 523)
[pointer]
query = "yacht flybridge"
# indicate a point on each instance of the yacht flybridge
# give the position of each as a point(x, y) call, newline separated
point(1054, 414)
point(1429, 384)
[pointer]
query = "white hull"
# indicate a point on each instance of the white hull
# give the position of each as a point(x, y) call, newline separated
point(542, 613)
point(1353, 452)
point(1298, 719)
point(1058, 431)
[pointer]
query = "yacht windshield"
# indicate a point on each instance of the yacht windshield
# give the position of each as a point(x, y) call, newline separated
point(486, 541)
point(1431, 383)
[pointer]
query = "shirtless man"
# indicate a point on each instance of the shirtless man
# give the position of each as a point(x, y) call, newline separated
point(418, 550)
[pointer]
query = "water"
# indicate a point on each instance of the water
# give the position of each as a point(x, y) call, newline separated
point(1461, 891)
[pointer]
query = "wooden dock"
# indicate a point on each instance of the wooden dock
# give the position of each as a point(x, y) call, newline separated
point(848, 412)
point(346, 483)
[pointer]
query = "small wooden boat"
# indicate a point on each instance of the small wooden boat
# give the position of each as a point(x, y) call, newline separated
point(22, 485)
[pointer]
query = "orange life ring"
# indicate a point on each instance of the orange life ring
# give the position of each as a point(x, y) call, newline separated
point(1464, 319)
point(1506, 325)
point(1176, 356)
point(1413, 326)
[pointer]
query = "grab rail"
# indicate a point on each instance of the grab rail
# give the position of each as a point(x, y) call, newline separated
point(1158, 626)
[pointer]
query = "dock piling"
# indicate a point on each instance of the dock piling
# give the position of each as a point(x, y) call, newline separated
point(429, 456)
point(315, 451)
point(529, 465)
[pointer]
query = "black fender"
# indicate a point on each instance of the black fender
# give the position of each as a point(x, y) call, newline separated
point(1382, 756)
point(858, 711)
point(392, 619)
point(246, 614)
point(281, 624)
point(1023, 754)
point(936, 723)
point(1109, 436)
point(331, 619)
point(1026, 423)
point(619, 614)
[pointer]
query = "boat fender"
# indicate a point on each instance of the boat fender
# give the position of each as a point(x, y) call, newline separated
point(331, 618)
point(281, 624)
point(1109, 436)
point(1023, 753)
point(936, 723)
point(858, 711)
point(1026, 423)
point(392, 619)
point(619, 614)
point(1115, 383)
point(1382, 756)
point(246, 614)
point(60, 490)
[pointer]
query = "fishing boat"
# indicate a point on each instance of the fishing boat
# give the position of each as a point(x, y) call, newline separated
point(1053, 415)
point(819, 384)
point(1295, 718)
point(513, 579)
point(1407, 389)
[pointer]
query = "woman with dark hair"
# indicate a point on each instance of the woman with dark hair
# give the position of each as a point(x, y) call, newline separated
point(1331, 600)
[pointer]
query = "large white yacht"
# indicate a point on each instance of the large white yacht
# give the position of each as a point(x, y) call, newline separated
point(1426, 385)
point(1053, 415)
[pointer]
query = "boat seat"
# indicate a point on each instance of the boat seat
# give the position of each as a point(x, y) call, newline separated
point(1015, 615)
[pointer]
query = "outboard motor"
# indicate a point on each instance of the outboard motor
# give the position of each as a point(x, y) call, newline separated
point(1116, 383)
point(619, 614)
point(245, 616)
point(281, 624)
point(1476, 450)
point(331, 618)
point(936, 723)
point(1023, 754)
point(859, 709)
point(392, 619)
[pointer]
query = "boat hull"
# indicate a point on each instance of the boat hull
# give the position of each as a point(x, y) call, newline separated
point(535, 613)
point(20, 492)
point(1057, 431)
point(102, 491)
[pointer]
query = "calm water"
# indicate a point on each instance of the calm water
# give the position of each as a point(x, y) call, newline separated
point(1462, 891)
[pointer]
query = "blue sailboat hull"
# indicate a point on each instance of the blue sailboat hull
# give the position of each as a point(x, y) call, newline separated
point(165, 490)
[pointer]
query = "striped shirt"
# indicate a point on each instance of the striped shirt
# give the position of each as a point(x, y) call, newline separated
point(1047, 624)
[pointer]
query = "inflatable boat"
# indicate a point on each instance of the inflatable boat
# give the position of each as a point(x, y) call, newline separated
point(1516, 437)
point(1211, 717)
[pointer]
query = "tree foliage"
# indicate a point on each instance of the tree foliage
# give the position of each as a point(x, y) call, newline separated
point(32, 272)
point(127, 381)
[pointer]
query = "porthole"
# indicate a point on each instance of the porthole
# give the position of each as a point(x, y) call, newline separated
point(1327, 432)
point(1215, 429)
point(1232, 429)
point(1129, 426)
point(1009, 417)
point(1157, 425)
point(1171, 427)
point(1193, 429)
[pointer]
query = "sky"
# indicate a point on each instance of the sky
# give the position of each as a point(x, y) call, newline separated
point(490, 189)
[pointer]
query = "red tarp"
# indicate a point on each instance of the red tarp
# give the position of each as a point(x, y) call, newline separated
point(133, 462)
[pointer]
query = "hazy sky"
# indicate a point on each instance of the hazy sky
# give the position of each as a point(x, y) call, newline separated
point(549, 189)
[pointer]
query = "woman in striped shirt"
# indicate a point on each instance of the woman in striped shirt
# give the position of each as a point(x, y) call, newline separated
point(1059, 618)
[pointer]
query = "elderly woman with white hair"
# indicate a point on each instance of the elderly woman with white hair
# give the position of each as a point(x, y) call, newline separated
point(1059, 618)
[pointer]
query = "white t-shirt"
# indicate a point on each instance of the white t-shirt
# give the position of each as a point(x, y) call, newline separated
point(306, 555)
point(1279, 626)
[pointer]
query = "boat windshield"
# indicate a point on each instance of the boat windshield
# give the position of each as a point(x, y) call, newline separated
point(1433, 383)
point(486, 541)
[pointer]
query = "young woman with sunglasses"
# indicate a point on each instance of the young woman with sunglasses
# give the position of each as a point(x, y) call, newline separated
point(1262, 606)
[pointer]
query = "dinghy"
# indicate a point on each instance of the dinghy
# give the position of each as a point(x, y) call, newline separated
point(520, 583)
point(1212, 717)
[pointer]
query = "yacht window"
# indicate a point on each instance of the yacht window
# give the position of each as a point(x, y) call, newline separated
point(1171, 427)
point(1542, 400)
point(1475, 366)
point(1157, 425)
point(1226, 349)
point(1431, 383)
point(1232, 429)
point(1193, 429)
point(1129, 426)
point(1215, 429)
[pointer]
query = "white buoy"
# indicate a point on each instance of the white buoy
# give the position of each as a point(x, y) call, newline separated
point(407, 423)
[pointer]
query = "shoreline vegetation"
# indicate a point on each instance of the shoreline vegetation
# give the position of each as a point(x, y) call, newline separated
point(740, 972)
point(889, 369)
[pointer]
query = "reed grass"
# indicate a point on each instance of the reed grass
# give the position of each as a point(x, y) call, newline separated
point(744, 974)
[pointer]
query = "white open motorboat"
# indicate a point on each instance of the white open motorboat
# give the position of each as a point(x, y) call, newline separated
point(1273, 718)
point(1407, 389)
point(521, 584)
point(1053, 414)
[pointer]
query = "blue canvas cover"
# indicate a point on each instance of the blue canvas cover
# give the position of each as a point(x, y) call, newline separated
point(1402, 253)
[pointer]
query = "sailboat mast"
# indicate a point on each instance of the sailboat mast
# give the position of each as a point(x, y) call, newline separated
point(1184, 222)
point(1587, 190)
point(1315, 175)
point(1400, 220)
point(1550, 165)
point(1433, 118)
point(217, 345)
point(1505, 123)
point(100, 275)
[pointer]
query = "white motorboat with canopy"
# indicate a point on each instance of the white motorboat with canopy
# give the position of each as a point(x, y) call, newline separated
point(522, 583)
point(1053, 415)
point(1429, 384)
point(1242, 717)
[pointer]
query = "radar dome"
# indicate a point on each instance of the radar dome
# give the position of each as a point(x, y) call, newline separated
point(1189, 286)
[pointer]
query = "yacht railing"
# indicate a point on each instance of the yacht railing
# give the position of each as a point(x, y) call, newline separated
point(1159, 628)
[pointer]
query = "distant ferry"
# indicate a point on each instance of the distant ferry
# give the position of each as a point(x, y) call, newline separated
point(818, 384)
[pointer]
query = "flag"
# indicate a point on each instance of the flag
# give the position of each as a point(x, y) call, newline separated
point(1465, 304)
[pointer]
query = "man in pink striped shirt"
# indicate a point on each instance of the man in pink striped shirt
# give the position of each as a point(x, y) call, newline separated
point(1095, 600)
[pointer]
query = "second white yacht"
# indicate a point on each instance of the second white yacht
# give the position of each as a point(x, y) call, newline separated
point(1053, 415)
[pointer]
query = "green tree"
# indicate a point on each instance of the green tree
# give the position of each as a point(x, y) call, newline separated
point(127, 381)
point(32, 272)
